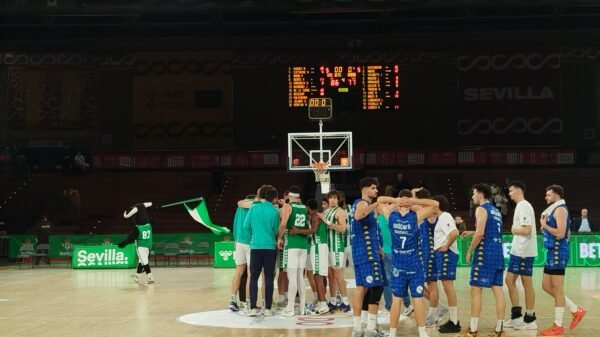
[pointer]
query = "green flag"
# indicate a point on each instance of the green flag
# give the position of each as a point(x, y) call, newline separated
point(200, 215)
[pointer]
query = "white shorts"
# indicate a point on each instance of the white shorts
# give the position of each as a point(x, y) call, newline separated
point(242, 254)
point(142, 253)
point(319, 260)
point(308, 258)
point(337, 260)
point(348, 256)
point(294, 258)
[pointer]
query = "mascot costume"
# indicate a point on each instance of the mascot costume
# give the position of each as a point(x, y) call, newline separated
point(141, 234)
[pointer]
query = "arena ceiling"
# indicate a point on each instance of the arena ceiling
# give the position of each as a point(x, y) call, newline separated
point(40, 20)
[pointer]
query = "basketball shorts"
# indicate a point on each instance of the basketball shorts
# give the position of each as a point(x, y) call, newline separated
point(520, 265)
point(318, 259)
point(403, 281)
point(336, 260)
point(446, 263)
point(242, 254)
point(557, 259)
point(295, 258)
point(143, 253)
point(370, 274)
point(486, 277)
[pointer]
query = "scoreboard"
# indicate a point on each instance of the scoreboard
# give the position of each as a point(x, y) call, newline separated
point(352, 87)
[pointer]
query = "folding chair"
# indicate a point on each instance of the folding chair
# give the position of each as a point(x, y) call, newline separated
point(25, 253)
point(158, 249)
point(171, 253)
point(185, 251)
point(42, 251)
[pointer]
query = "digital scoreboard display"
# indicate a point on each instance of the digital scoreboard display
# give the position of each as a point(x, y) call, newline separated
point(353, 87)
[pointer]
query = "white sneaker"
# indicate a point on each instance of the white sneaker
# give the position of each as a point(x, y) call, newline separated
point(408, 311)
point(359, 333)
point(526, 326)
point(149, 281)
point(288, 313)
point(268, 313)
point(135, 278)
point(252, 313)
point(511, 323)
point(323, 309)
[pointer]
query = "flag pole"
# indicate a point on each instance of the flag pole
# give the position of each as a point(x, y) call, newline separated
point(182, 202)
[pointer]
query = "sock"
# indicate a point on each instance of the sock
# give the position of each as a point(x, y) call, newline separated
point(149, 276)
point(453, 314)
point(499, 325)
point(558, 315)
point(474, 323)
point(281, 298)
point(422, 332)
point(357, 323)
point(372, 322)
point(233, 298)
point(345, 300)
point(285, 295)
point(529, 316)
point(333, 300)
point(515, 312)
point(363, 316)
point(393, 332)
point(569, 304)
point(432, 310)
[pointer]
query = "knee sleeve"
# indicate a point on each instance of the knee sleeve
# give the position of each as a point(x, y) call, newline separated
point(375, 295)
point(147, 269)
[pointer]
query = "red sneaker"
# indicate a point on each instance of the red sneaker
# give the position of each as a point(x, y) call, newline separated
point(555, 330)
point(577, 317)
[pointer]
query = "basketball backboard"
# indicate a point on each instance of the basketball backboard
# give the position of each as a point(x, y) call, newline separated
point(307, 148)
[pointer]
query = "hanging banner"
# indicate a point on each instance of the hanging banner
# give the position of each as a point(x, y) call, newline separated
point(509, 99)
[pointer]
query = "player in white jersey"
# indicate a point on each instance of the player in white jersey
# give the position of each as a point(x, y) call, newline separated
point(446, 256)
point(522, 254)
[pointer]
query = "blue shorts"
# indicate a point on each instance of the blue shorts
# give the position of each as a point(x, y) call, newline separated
point(486, 277)
point(430, 267)
point(557, 259)
point(370, 274)
point(520, 265)
point(446, 263)
point(402, 281)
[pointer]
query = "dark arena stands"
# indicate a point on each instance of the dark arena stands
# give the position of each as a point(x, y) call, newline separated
point(108, 104)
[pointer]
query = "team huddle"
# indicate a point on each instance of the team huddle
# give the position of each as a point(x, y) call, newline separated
point(400, 247)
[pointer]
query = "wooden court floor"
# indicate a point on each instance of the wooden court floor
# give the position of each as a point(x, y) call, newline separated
point(65, 302)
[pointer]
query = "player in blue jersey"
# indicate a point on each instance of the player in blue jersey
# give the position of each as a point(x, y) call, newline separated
point(367, 255)
point(407, 266)
point(555, 225)
point(487, 267)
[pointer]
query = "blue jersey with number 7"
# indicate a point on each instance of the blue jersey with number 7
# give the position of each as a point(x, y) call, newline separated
point(406, 254)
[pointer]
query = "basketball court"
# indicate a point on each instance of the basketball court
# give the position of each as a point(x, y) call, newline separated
point(193, 302)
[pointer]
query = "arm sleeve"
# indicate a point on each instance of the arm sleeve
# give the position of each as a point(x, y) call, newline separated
point(130, 237)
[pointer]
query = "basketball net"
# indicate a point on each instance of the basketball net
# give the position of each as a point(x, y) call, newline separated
point(322, 176)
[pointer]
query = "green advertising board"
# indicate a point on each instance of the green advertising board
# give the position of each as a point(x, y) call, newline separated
point(224, 253)
point(61, 246)
point(103, 257)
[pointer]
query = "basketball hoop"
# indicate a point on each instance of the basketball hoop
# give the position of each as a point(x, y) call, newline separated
point(322, 176)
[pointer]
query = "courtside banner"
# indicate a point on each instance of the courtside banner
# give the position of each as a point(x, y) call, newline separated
point(104, 257)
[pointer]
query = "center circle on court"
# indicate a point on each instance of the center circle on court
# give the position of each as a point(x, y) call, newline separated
point(235, 320)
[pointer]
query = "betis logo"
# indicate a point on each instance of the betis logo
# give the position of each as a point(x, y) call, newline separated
point(67, 248)
point(106, 257)
point(106, 242)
